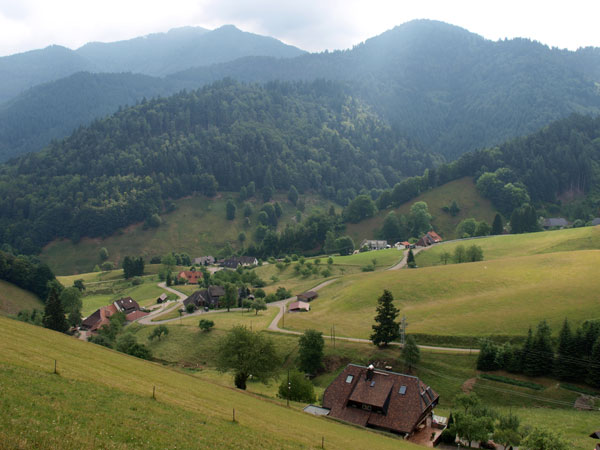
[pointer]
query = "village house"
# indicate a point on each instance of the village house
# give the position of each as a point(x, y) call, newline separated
point(429, 238)
point(373, 244)
point(299, 306)
point(555, 223)
point(236, 261)
point(307, 296)
point(190, 276)
point(204, 261)
point(402, 245)
point(162, 298)
point(101, 316)
point(380, 399)
point(209, 298)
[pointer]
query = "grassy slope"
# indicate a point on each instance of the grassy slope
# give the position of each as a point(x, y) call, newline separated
point(463, 191)
point(44, 411)
point(501, 297)
point(512, 245)
point(198, 227)
point(14, 299)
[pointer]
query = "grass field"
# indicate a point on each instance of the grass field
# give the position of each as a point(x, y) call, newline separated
point(97, 387)
point(463, 191)
point(511, 245)
point(499, 297)
point(198, 227)
point(14, 299)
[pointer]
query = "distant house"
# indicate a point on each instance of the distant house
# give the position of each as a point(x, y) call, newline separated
point(299, 306)
point(204, 260)
point(307, 296)
point(380, 399)
point(555, 222)
point(428, 239)
point(596, 221)
point(235, 262)
point(206, 297)
point(162, 298)
point(190, 276)
point(373, 244)
point(401, 245)
point(101, 316)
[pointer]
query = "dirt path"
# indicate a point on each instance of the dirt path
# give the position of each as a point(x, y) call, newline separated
point(402, 262)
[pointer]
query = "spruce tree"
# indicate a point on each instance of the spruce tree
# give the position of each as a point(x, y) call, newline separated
point(410, 352)
point(497, 226)
point(410, 259)
point(542, 350)
point(566, 368)
point(594, 366)
point(54, 315)
point(386, 329)
point(528, 361)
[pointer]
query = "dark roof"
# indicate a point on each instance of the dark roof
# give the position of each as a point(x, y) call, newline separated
point(216, 291)
point(206, 297)
point(127, 305)
point(555, 222)
point(99, 318)
point(400, 408)
point(595, 434)
point(308, 295)
point(198, 298)
point(236, 261)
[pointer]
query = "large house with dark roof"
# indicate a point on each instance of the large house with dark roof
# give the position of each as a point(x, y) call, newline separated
point(380, 399)
point(206, 297)
point(234, 262)
point(101, 316)
point(430, 238)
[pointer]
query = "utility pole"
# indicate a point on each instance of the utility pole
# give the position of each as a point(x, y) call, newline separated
point(289, 389)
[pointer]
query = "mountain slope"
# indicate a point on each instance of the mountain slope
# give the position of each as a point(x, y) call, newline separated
point(120, 386)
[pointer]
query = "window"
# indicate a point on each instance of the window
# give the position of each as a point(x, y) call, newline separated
point(402, 390)
point(372, 383)
point(366, 407)
point(349, 378)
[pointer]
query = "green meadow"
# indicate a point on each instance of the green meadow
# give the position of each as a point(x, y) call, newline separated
point(72, 409)
point(197, 226)
point(470, 202)
point(499, 297)
point(14, 299)
point(512, 245)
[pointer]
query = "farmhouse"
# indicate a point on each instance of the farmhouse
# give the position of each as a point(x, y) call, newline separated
point(206, 297)
point(429, 238)
point(233, 263)
point(380, 399)
point(190, 276)
point(307, 296)
point(299, 306)
point(401, 245)
point(101, 317)
point(373, 244)
point(204, 260)
point(555, 222)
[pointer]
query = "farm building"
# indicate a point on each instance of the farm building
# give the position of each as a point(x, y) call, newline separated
point(381, 399)
point(101, 316)
point(235, 262)
point(429, 238)
point(373, 244)
point(299, 306)
point(206, 297)
point(190, 276)
point(596, 221)
point(162, 298)
point(204, 260)
point(555, 222)
point(307, 296)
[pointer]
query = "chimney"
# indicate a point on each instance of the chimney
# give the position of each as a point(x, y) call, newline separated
point(370, 371)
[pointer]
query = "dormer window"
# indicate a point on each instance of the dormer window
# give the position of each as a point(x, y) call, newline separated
point(402, 390)
point(349, 378)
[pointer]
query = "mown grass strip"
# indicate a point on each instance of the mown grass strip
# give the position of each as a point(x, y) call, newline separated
point(506, 380)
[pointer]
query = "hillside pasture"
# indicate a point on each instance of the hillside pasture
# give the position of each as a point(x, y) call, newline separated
point(499, 297)
point(122, 385)
point(512, 245)
point(14, 299)
point(463, 191)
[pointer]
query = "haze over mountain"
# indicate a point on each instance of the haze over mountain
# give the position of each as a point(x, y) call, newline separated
point(449, 89)
point(156, 54)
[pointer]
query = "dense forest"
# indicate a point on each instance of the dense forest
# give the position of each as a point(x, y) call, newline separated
point(450, 90)
point(122, 169)
point(26, 272)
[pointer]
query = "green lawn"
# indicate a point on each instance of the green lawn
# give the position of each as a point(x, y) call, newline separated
point(499, 297)
point(46, 411)
point(198, 227)
point(511, 245)
point(14, 299)
point(463, 191)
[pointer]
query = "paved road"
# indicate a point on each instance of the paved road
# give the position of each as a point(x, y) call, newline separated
point(402, 262)
point(166, 307)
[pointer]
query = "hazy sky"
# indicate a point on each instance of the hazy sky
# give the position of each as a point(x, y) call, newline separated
point(313, 25)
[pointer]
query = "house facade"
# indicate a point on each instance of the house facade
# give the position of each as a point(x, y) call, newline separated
point(380, 399)
point(373, 244)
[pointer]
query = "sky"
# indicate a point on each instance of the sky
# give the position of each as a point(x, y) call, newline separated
point(313, 25)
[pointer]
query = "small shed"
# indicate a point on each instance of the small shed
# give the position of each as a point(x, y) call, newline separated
point(308, 296)
point(162, 298)
point(299, 306)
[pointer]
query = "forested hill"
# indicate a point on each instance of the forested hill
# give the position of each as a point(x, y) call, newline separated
point(451, 90)
point(122, 169)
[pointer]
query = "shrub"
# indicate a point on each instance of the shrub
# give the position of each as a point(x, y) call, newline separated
point(299, 389)
point(206, 324)
point(190, 308)
point(136, 281)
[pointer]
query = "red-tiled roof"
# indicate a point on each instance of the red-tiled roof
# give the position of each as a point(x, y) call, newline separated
point(192, 276)
point(135, 315)
point(100, 317)
point(386, 404)
point(436, 237)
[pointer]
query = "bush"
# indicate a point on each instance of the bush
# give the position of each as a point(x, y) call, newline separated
point(299, 389)
point(107, 265)
point(206, 325)
point(259, 293)
point(190, 308)
point(447, 437)
point(136, 281)
point(271, 298)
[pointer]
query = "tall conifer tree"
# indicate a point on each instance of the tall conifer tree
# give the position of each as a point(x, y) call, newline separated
point(386, 329)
